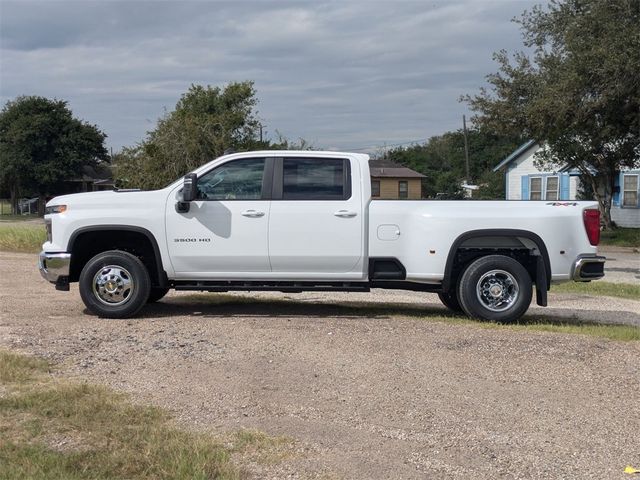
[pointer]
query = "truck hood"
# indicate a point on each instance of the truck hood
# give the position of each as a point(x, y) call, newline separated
point(109, 199)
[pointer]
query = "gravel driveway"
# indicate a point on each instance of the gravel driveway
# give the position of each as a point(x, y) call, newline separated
point(364, 392)
point(622, 265)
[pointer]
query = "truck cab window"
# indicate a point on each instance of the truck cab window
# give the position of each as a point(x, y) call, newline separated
point(235, 180)
point(316, 179)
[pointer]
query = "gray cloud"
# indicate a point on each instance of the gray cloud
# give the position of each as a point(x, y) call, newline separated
point(341, 74)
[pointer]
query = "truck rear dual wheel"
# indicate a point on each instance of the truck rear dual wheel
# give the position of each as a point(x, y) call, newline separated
point(495, 288)
point(114, 284)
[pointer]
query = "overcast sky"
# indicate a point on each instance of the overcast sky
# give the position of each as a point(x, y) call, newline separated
point(343, 75)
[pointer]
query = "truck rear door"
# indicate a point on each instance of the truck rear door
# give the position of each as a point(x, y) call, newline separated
point(316, 218)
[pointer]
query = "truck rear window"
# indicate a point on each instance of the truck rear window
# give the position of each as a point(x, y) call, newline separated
point(316, 179)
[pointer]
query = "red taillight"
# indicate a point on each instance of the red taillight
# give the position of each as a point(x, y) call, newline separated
point(592, 225)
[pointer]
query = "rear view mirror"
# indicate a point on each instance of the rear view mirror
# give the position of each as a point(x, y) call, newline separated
point(190, 188)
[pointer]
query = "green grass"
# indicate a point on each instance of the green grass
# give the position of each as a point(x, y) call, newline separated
point(261, 447)
point(17, 218)
point(599, 288)
point(621, 237)
point(232, 305)
point(622, 333)
point(19, 368)
point(56, 429)
point(23, 238)
point(5, 207)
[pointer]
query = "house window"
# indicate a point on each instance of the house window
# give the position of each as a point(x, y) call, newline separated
point(375, 188)
point(552, 188)
point(630, 191)
point(535, 188)
point(403, 189)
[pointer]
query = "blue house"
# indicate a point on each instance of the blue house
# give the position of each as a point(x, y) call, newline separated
point(524, 181)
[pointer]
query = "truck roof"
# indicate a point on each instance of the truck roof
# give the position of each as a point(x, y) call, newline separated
point(289, 153)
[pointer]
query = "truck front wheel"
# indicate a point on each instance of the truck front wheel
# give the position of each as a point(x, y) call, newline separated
point(114, 284)
point(496, 288)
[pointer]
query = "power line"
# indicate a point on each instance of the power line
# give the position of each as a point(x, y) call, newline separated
point(373, 147)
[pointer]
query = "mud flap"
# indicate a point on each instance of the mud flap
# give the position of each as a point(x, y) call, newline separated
point(541, 282)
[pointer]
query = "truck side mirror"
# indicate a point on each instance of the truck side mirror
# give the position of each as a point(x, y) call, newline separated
point(190, 188)
point(189, 192)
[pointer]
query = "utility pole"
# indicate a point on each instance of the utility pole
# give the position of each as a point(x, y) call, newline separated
point(260, 133)
point(466, 147)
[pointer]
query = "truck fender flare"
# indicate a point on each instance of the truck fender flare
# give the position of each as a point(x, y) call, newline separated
point(501, 232)
point(162, 275)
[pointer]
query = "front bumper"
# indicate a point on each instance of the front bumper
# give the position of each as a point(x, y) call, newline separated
point(54, 267)
point(588, 268)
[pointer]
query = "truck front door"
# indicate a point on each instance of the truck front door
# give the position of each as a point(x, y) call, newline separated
point(224, 233)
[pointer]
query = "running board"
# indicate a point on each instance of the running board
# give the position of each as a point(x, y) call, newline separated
point(290, 287)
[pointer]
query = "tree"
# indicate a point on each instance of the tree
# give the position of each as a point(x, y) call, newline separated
point(42, 144)
point(205, 122)
point(442, 160)
point(578, 93)
point(491, 186)
point(283, 143)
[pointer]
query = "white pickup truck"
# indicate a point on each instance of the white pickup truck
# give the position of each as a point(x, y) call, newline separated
point(298, 221)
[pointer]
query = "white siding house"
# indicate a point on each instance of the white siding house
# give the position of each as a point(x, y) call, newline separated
point(625, 210)
point(523, 181)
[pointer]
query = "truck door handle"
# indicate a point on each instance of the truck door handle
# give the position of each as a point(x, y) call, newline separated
point(252, 214)
point(345, 214)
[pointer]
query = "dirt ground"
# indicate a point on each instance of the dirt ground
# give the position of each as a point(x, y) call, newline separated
point(364, 393)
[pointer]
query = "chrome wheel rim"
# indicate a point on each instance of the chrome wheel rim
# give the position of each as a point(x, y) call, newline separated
point(113, 285)
point(497, 290)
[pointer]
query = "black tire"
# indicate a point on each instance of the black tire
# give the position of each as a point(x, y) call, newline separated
point(495, 288)
point(114, 284)
point(450, 300)
point(156, 294)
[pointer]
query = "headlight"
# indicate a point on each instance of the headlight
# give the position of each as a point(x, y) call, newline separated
point(55, 209)
point(47, 226)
